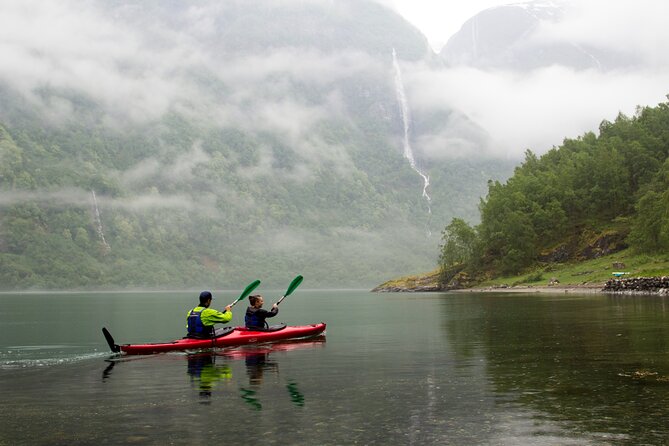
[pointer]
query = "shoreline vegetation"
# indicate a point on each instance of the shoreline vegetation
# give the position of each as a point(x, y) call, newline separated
point(621, 273)
point(589, 288)
point(587, 212)
point(588, 215)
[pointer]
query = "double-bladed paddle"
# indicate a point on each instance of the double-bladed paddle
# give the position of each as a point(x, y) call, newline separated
point(252, 286)
point(294, 284)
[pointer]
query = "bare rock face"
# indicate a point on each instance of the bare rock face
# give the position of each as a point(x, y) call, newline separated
point(604, 245)
point(598, 246)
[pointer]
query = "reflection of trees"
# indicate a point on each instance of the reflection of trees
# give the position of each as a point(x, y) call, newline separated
point(600, 364)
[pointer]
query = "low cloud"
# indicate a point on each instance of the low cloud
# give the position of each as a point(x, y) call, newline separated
point(637, 27)
point(184, 168)
point(537, 109)
point(59, 198)
point(150, 201)
point(72, 47)
point(138, 73)
point(534, 110)
point(84, 198)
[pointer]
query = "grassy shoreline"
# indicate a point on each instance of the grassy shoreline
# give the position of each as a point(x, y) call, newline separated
point(584, 276)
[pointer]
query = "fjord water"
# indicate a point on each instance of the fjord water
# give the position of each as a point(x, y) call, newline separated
point(459, 369)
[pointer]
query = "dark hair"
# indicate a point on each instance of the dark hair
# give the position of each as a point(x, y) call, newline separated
point(204, 297)
point(253, 299)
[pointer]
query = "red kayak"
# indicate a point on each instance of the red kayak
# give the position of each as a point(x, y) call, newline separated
point(230, 337)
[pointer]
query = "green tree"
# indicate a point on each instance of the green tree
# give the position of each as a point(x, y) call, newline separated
point(459, 243)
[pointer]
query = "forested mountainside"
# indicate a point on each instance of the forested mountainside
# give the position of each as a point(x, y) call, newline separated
point(207, 145)
point(592, 195)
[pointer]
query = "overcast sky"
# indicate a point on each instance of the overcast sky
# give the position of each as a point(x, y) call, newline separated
point(440, 20)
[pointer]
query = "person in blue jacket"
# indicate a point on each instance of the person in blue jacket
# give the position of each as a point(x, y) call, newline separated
point(255, 315)
point(201, 319)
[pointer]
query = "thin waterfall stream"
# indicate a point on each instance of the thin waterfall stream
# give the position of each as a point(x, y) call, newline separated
point(406, 120)
point(98, 222)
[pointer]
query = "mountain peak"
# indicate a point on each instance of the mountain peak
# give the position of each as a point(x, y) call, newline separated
point(514, 37)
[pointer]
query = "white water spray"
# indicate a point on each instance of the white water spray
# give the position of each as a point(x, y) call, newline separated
point(98, 222)
point(404, 111)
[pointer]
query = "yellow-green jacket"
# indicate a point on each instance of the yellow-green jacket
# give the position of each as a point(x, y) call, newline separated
point(201, 320)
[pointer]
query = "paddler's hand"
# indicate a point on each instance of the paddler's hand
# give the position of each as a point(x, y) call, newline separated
point(228, 308)
point(275, 306)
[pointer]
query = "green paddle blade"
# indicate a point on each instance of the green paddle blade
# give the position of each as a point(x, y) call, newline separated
point(252, 286)
point(294, 284)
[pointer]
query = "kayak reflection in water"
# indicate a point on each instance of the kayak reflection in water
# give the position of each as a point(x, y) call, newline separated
point(255, 315)
point(201, 319)
point(204, 372)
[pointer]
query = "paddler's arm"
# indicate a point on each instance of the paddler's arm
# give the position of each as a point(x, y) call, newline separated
point(274, 311)
point(211, 316)
point(271, 313)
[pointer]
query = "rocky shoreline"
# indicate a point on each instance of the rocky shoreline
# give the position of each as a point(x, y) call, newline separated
point(637, 285)
point(414, 289)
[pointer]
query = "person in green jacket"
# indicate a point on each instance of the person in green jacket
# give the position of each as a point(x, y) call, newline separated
point(201, 319)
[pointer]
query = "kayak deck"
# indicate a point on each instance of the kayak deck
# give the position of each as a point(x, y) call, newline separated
point(234, 337)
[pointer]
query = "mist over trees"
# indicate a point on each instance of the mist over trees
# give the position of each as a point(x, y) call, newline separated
point(206, 144)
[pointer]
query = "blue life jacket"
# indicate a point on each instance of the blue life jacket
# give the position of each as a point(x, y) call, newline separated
point(252, 320)
point(195, 325)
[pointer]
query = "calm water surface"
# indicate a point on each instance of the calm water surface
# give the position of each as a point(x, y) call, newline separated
point(451, 369)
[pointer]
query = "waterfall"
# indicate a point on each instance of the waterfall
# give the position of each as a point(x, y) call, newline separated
point(404, 111)
point(98, 222)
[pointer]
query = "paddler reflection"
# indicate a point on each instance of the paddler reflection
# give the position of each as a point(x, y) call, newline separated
point(257, 362)
point(206, 374)
point(257, 365)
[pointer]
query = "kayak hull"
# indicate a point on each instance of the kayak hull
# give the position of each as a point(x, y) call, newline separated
point(238, 336)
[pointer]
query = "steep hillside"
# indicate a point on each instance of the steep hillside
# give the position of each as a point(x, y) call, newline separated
point(190, 144)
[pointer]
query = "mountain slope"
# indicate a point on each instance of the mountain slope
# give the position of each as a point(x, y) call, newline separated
point(190, 144)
